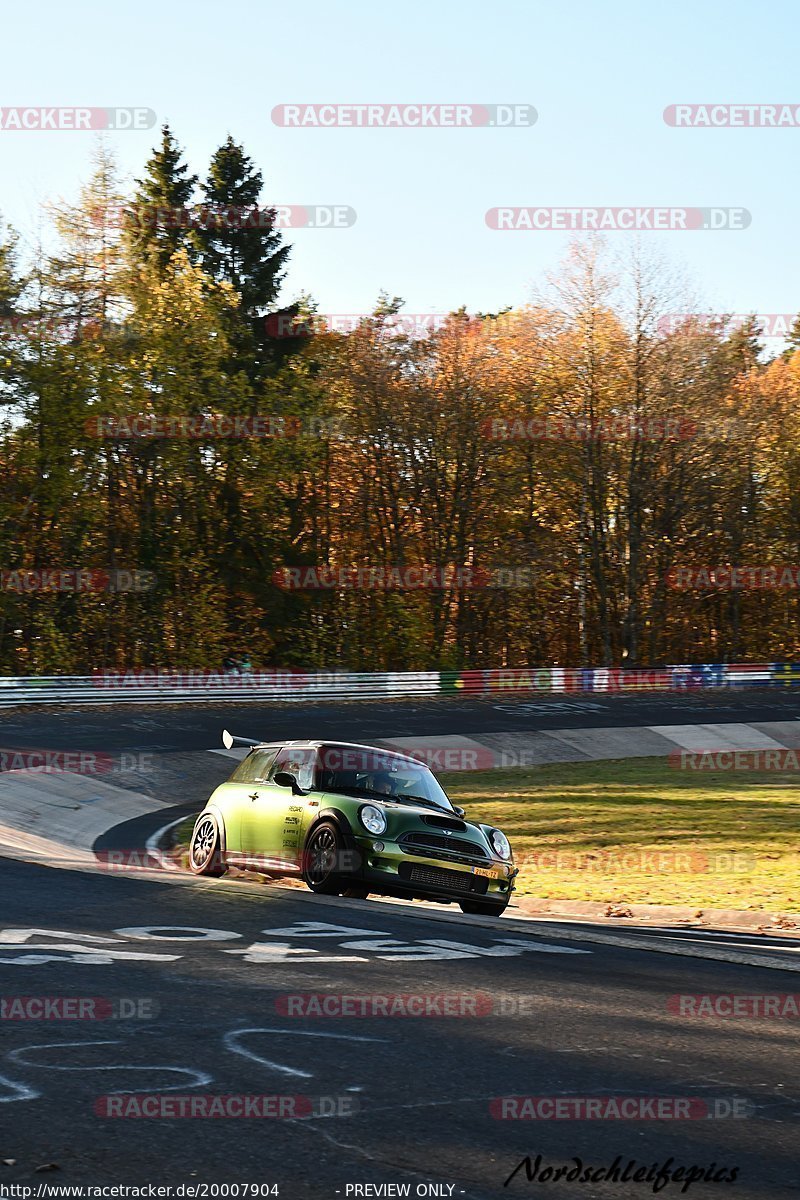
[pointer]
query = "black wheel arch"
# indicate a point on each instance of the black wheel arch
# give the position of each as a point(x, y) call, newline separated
point(338, 818)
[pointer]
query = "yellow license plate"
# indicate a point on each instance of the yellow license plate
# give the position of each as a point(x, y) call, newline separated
point(487, 872)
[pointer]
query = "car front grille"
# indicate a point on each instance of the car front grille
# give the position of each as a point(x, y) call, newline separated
point(439, 845)
point(454, 881)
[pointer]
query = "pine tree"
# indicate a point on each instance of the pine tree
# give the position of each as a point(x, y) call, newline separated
point(240, 246)
point(743, 345)
point(11, 287)
point(793, 339)
point(159, 220)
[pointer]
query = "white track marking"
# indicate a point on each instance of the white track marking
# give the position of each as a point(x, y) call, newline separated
point(322, 929)
point(313, 1033)
point(19, 1091)
point(390, 949)
point(231, 1041)
point(153, 846)
point(102, 953)
point(18, 1056)
point(749, 945)
point(18, 936)
point(542, 947)
point(507, 948)
point(279, 952)
point(143, 933)
point(94, 956)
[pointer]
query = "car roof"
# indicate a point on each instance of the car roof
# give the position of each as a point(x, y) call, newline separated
point(315, 743)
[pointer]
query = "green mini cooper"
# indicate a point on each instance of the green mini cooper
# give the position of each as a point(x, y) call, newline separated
point(350, 820)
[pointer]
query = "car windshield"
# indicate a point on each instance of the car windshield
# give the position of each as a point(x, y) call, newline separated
point(380, 774)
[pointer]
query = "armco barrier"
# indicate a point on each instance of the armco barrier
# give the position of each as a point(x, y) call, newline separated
point(150, 687)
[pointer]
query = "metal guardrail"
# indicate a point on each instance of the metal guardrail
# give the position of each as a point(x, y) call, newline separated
point(206, 687)
point(150, 687)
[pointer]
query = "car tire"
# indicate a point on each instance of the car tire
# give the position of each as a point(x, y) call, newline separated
point(356, 893)
point(482, 908)
point(205, 848)
point(324, 847)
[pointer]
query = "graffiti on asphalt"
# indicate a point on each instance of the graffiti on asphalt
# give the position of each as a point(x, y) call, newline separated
point(36, 947)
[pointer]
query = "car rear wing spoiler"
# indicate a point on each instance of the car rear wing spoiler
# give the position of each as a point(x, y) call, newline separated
point(229, 740)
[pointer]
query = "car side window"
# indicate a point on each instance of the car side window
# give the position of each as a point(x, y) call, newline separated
point(299, 762)
point(254, 768)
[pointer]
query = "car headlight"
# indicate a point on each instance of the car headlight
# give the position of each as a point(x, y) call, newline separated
point(372, 818)
point(500, 844)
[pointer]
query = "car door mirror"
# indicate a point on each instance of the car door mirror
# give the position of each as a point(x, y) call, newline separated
point(287, 779)
point(460, 812)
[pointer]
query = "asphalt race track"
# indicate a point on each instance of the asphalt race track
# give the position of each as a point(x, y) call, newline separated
point(571, 1020)
point(195, 990)
point(171, 728)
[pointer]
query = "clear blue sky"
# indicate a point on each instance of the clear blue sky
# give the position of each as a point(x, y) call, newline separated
point(599, 74)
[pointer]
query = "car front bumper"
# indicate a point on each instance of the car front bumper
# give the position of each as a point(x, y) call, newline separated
point(391, 870)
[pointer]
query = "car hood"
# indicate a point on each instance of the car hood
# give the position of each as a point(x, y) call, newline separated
point(402, 817)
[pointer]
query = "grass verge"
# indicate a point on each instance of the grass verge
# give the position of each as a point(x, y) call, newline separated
point(641, 831)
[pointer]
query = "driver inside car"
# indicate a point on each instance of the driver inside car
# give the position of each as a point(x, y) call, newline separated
point(384, 783)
